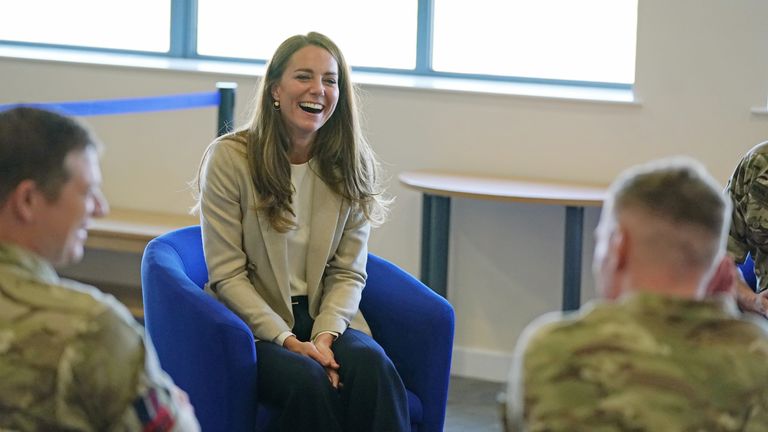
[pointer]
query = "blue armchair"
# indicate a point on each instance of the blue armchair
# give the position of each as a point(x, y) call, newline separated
point(209, 351)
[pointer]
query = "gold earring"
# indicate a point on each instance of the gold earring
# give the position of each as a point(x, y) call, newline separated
point(276, 105)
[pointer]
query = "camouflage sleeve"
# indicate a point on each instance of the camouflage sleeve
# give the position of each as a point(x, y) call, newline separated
point(735, 189)
point(120, 385)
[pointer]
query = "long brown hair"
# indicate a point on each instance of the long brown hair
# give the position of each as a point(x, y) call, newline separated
point(344, 159)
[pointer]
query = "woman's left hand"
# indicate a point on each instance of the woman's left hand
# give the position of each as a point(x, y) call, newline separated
point(323, 343)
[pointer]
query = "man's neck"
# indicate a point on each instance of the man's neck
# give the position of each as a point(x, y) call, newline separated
point(659, 283)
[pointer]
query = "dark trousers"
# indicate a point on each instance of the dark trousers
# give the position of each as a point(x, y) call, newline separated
point(372, 397)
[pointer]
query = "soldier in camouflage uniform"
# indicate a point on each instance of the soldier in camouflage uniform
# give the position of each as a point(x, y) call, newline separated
point(71, 358)
point(665, 349)
point(748, 191)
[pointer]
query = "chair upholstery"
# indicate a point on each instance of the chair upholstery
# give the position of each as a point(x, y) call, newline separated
point(209, 351)
point(748, 270)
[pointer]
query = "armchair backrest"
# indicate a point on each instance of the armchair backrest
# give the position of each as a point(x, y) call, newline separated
point(188, 244)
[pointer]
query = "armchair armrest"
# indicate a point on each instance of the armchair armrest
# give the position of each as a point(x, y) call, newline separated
point(206, 348)
point(415, 326)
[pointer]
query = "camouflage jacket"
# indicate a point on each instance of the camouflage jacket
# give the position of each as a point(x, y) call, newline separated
point(646, 363)
point(748, 191)
point(74, 359)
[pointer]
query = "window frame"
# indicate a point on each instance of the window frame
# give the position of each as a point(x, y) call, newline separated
point(183, 43)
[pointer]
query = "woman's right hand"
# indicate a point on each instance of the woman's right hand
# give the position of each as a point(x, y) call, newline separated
point(310, 350)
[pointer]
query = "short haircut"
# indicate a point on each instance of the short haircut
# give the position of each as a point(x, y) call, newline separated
point(34, 144)
point(678, 191)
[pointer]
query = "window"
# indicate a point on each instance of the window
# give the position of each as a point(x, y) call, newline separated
point(370, 34)
point(588, 42)
point(139, 25)
point(585, 40)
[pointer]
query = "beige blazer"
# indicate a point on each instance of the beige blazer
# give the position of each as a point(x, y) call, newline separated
point(247, 259)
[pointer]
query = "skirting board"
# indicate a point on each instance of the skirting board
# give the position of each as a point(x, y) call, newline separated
point(481, 364)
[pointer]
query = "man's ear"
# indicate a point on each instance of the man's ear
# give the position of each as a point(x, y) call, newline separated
point(619, 247)
point(24, 199)
point(724, 278)
point(616, 258)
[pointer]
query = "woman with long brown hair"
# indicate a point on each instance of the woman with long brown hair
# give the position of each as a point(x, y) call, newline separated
point(286, 205)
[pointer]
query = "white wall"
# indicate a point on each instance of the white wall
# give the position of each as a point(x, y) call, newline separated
point(701, 66)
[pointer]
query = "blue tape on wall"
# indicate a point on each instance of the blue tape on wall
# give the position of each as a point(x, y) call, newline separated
point(126, 106)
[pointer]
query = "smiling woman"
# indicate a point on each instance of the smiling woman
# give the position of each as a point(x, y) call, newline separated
point(286, 207)
point(306, 96)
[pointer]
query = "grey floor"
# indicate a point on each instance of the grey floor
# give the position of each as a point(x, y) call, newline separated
point(472, 406)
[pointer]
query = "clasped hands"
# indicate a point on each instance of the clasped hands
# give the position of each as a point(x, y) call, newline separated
point(320, 351)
